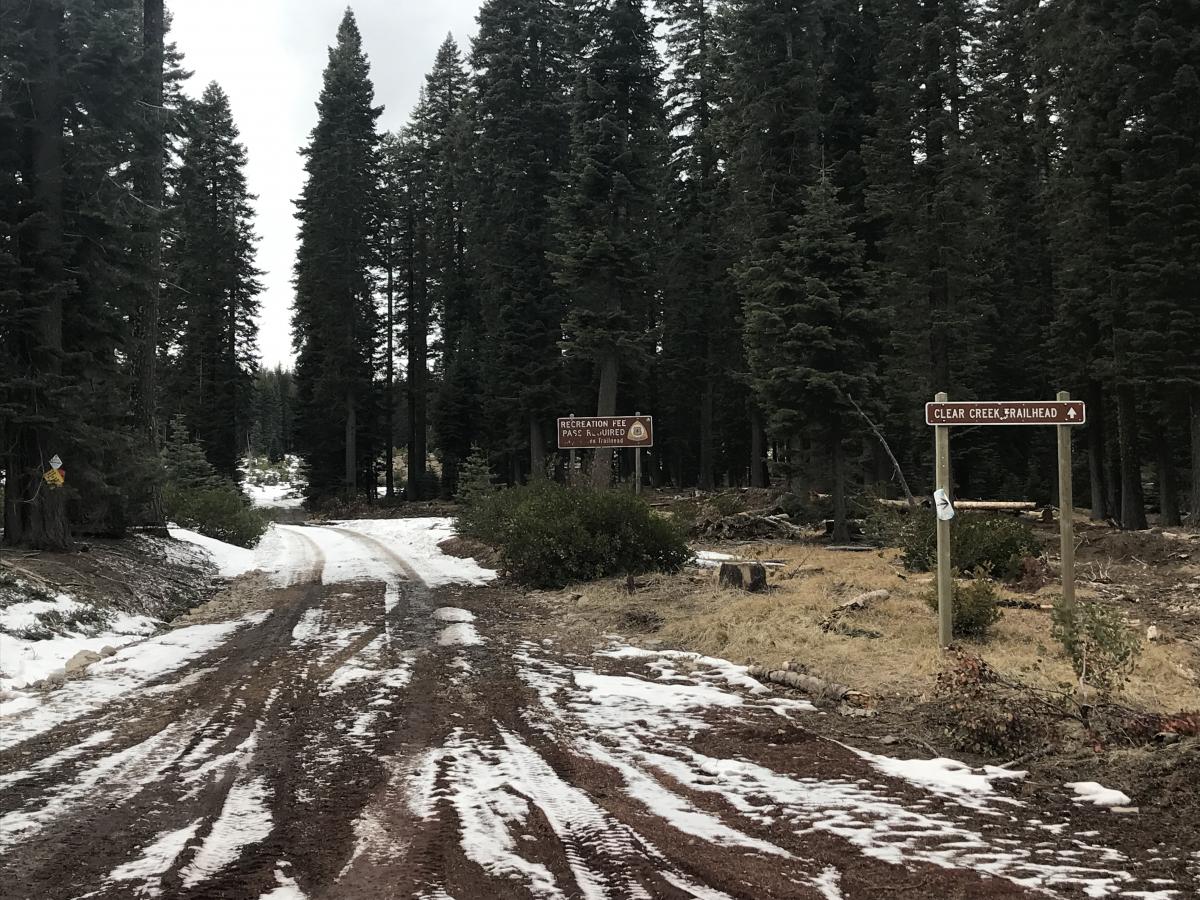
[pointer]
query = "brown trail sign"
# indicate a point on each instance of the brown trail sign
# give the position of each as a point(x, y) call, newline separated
point(1007, 412)
point(607, 433)
point(942, 414)
point(584, 433)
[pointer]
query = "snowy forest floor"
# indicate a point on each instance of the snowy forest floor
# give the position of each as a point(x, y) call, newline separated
point(362, 716)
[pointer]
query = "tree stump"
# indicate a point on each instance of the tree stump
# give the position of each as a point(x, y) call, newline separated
point(743, 576)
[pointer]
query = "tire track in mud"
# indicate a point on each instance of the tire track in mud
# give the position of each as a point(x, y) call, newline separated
point(312, 569)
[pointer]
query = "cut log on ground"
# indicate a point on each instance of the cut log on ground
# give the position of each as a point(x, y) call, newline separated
point(862, 601)
point(750, 577)
point(815, 687)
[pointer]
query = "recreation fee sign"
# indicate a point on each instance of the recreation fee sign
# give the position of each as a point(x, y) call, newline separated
point(608, 433)
point(942, 415)
point(579, 433)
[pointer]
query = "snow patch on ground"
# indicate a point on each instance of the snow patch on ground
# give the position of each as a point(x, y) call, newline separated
point(156, 858)
point(1097, 794)
point(131, 669)
point(26, 656)
point(245, 819)
point(416, 541)
point(230, 561)
point(459, 634)
point(946, 777)
point(287, 890)
point(453, 614)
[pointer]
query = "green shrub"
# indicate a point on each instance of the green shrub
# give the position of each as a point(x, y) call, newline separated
point(475, 479)
point(975, 608)
point(1102, 648)
point(549, 535)
point(219, 512)
point(997, 545)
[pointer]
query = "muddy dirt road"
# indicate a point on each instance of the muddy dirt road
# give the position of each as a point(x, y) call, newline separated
point(370, 735)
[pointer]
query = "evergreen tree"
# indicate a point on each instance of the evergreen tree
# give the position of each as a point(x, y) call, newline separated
point(1162, 198)
point(608, 214)
point(442, 128)
point(1091, 101)
point(520, 68)
point(812, 333)
point(771, 119)
point(335, 325)
point(213, 284)
point(700, 305)
point(926, 191)
point(70, 78)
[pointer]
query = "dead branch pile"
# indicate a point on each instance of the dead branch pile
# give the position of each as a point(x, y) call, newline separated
point(744, 526)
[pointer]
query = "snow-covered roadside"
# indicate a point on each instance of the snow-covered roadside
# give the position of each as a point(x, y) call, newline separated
point(39, 636)
point(416, 540)
point(231, 561)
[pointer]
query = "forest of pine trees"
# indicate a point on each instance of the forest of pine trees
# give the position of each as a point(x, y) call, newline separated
point(761, 221)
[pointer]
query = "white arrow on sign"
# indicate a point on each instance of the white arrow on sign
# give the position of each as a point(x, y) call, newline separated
point(1071, 414)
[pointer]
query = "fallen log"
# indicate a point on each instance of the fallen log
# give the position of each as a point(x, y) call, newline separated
point(810, 684)
point(993, 505)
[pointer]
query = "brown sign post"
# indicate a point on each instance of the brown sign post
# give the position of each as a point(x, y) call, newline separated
point(942, 414)
point(607, 433)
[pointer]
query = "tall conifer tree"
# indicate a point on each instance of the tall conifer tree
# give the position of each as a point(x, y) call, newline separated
point(521, 121)
point(211, 301)
point(336, 325)
point(609, 212)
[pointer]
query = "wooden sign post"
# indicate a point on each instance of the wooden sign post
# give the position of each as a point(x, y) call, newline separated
point(1066, 512)
point(942, 414)
point(945, 575)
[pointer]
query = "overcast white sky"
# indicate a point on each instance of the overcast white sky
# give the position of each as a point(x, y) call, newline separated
point(268, 55)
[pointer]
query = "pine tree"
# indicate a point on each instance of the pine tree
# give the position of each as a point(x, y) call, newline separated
point(70, 258)
point(213, 284)
point(335, 326)
point(1162, 196)
point(521, 118)
point(1091, 101)
point(700, 304)
point(926, 191)
point(813, 332)
point(608, 215)
point(442, 128)
point(149, 182)
point(771, 120)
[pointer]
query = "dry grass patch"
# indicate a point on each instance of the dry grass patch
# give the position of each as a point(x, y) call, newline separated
point(691, 612)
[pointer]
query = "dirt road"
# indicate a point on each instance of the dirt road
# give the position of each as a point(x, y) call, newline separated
point(369, 735)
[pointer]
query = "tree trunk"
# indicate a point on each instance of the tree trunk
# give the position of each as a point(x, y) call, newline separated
point(1194, 499)
point(610, 370)
point(1133, 508)
point(389, 472)
point(1168, 486)
point(150, 187)
point(1095, 445)
point(841, 528)
point(758, 465)
point(537, 448)
point(706, 429)
point(35, 514)
point(351, 476)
